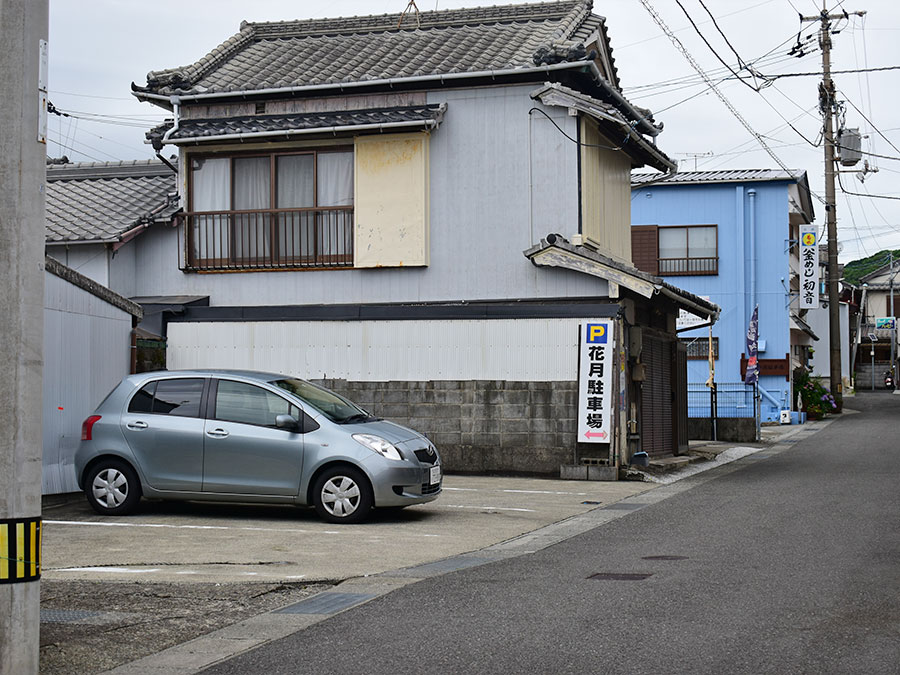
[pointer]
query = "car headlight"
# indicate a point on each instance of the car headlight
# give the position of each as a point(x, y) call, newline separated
point(379, 445)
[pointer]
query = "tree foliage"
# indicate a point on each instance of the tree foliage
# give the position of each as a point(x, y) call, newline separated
point(857, 269)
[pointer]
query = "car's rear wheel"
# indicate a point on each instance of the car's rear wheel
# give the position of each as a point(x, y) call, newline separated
point(342, 495)
point(112, 488)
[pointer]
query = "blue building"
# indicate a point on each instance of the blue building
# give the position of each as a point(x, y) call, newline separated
point(731, 237)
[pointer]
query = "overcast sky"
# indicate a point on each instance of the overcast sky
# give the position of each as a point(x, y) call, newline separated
point(98, 47)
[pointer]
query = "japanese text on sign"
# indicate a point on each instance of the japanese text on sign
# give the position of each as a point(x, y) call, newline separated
point(595, 394)
point(809, 267)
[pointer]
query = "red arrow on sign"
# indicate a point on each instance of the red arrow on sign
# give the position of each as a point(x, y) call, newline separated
point(595, 434)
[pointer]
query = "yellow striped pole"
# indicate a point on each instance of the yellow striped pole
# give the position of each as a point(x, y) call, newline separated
point(20, 550)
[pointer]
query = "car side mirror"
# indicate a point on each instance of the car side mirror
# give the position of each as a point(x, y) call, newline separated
point(288, 423)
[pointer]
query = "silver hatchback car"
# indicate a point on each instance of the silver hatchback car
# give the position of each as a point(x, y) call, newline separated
point(242, 436)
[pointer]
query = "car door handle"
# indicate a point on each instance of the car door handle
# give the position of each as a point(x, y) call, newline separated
point(137, 426)
point(217, 433)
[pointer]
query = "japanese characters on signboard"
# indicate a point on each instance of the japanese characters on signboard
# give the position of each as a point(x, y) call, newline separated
point(595, 392)
point(809, 267)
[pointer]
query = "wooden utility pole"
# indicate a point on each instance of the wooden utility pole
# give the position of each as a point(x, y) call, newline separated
point(828, 108)
point(23, 96)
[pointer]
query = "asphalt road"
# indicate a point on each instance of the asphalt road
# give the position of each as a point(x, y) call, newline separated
point(788, 564)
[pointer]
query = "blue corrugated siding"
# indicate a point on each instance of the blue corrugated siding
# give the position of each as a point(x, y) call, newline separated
point(728, 207)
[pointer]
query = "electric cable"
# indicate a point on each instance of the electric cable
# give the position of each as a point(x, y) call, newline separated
point(712, 49)
point(860, 194)
point(678, 44)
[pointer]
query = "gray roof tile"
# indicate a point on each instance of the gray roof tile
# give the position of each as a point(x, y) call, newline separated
point(273, 124)
point(721, 176)
point(358, 49)
point(97, 201)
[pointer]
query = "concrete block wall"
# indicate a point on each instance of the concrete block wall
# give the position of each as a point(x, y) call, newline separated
point(863, 379)
point(480, 425)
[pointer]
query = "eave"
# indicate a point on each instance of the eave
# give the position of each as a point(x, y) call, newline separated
point(554, 251)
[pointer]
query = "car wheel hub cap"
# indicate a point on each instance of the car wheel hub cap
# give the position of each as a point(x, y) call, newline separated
point(110, 488)
point(340, 496)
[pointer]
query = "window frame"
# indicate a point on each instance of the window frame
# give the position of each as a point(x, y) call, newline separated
point(213, 409)
point(201, 405)
point(687, 258)
point(237, 261)
point(703, 348)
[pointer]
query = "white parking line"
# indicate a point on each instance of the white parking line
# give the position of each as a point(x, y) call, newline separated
point(213, 527)
point(185, 527)
point(115, 570)
point(548, 492)
point(526, 492)
point(491, 508)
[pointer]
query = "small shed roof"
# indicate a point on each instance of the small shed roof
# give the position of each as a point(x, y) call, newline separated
point(56, 268)
point(102, 201)
point(555, 251)
point(257, 126)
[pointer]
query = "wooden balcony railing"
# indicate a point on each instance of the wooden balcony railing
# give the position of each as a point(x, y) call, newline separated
point(269, 239)
point(685, 266)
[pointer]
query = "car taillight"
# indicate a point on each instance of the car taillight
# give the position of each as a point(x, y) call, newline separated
point(87, 427)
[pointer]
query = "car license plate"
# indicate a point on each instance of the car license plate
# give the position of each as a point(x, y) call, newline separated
point(435, 474)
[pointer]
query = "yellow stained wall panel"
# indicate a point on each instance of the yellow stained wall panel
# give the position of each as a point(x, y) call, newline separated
point(391, 201)
point(605, 194)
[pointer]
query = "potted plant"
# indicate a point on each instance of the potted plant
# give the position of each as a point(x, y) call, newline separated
point(815, 399)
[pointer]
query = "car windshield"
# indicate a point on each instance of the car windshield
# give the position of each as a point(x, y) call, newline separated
point(334, 407)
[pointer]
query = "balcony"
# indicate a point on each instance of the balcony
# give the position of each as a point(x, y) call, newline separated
point(269, 239)
point(686, 266)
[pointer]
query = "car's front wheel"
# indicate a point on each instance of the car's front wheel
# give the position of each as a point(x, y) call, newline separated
point(342, 495)
point(112, 488)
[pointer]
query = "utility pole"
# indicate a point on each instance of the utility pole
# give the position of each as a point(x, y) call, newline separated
point(23, 95)
point(828, 107)
point(893, 319)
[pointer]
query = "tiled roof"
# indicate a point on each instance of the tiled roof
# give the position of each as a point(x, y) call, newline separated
point(270, 125)
point(99, 201)
point(724, 176)
point(358, 49)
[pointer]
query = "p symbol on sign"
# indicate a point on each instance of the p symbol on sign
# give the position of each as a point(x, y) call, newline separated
point(596, 333)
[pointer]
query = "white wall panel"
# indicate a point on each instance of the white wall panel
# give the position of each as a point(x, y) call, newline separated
point(86, 352)
point(505, 349)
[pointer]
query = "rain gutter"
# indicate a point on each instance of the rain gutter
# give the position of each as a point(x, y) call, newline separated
point(429, 124)
point(643, 123)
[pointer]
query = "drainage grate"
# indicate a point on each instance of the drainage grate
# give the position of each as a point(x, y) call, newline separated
point(66, 615)
point(326, 603)
point(625, 506)
point(620, 576)
point(665, 557)
point(440, 567)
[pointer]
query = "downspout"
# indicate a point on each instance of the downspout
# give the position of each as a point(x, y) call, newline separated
point(158, 143)
point(751, 193)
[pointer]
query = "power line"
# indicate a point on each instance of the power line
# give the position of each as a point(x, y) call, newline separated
point(860, 194)
point(687, 55)
point(69, 147)
point(712, 49)
point(834, 72)
point(871, 123)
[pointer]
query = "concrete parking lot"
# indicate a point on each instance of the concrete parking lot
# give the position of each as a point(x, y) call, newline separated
point(202, 542)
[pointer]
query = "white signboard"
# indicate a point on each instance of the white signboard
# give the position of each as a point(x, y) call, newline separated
point(595, 392)
point(687, 320)
point(809, 267)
